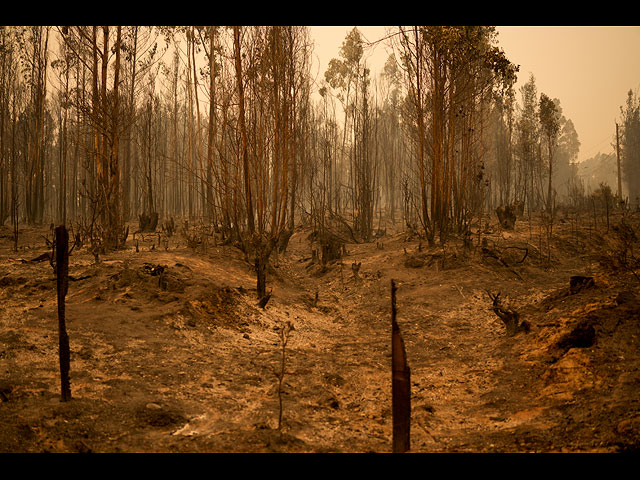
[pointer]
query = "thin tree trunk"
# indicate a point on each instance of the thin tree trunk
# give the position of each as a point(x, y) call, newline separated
point(212, 127)
point(243, 128)
point(62, 273)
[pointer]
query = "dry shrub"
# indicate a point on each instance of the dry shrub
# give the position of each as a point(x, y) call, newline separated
point(618, 249)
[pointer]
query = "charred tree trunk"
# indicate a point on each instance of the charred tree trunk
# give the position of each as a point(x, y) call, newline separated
point(243, 130)
point(400, 384)
point(62, 272)
point(261, 275)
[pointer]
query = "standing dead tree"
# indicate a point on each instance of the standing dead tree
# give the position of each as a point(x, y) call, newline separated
point(270, 65)
point(101, 54)
point(451, 73)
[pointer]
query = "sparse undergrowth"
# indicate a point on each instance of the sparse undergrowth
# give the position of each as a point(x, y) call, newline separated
point(170, 351)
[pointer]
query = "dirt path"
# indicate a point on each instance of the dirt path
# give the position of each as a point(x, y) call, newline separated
point(189, 362)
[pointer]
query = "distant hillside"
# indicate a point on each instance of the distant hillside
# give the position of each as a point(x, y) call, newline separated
point(601, 168)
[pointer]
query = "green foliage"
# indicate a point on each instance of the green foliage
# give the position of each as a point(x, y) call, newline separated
point(341, 71)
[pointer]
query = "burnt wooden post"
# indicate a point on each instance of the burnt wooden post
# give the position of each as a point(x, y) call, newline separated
point(62, 273)
point(400, 384)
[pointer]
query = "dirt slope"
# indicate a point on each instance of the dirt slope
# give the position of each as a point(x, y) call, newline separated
point(187, 361)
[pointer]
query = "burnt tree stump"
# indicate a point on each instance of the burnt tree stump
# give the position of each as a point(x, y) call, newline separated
point(400, 384)
point(355, 268)
point(509, 316)
point(507, 217)
point(580, 282)
point(62, 274)
point(583, 335)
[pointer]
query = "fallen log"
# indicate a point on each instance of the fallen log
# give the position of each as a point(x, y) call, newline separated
point(41, 258)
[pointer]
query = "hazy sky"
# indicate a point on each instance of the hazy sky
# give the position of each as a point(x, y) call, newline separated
point(589, 69)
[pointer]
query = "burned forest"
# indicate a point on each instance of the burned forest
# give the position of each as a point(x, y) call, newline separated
point(208, 244)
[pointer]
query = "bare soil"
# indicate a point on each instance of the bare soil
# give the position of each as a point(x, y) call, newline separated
point(189, 362)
